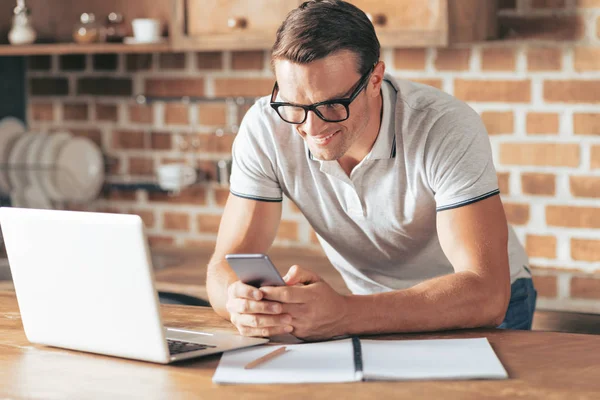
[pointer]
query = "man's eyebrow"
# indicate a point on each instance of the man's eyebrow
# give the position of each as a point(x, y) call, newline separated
point(341, 95)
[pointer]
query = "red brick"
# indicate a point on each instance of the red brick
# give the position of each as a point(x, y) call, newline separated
point(72, 62)
point(107, 112)
point(41, 111)
point(243, 86)
point(542, 123)
point(586, 124)
point(573, 217)
point(176, 221)
point(595, 155)
point(208, 223)
point(575, 91)
point(538, 184)
point(105, 62)
point(48, 86)
point(171, 61)
point(160, 241)
point(586, 58)
point(75, 112)
point(138, 62)
point(209, 60)
point(546, 285)
point(177, 114)
point(174, 87)
point(247, 60)
point(288, 230)
point(585, 288)
point(452, 59)
point(518, 91)
point(541, 246)
point(141, 166)
point(585, 250)
point(540, 154)
point(516, 214)
point(194, 195)
point(212, 114)
point(544, 59)
point(221, 196)
point(498, 59)
point(105, 86)
point(498, 122)
point(161, 141)
point(39, 63)
point(409, 59)
point(585, 186)
point(128, 140)
point(504, 182)
point(141, 114)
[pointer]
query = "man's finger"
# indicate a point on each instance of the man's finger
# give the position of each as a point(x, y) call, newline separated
point(286, 294)
point(297, 274)
point(245, 306)
point(240, 289)
point(264, 332)
point(263, 320)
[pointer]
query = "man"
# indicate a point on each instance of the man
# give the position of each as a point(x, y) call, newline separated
point(397, 180)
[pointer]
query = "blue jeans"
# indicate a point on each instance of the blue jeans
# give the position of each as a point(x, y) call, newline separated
point(521, 306)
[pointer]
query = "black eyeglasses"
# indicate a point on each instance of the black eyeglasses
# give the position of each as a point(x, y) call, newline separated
point(334, 110)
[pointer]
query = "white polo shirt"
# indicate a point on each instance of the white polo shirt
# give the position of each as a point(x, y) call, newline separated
point(378, 225)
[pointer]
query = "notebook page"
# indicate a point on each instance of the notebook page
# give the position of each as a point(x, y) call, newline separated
point(301, 363)
point(430, 359)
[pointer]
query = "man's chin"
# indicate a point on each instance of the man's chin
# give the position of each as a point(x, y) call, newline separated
point(324, 156)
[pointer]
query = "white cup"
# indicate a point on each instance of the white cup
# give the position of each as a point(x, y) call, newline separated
point(175, 176)
point(146, 29)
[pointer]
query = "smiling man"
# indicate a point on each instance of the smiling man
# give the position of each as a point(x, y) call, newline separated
point(397, 180)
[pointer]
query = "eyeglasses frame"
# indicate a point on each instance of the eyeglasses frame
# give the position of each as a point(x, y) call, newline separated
point(346, 101)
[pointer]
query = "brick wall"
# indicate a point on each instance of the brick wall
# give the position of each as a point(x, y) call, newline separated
point(537, 90)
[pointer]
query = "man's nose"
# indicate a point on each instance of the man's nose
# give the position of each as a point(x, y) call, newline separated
point(313, 124)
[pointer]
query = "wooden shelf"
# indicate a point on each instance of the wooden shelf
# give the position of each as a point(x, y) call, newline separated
point(74, 48)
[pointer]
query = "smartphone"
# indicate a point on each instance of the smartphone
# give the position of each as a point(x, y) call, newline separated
point(255, 269)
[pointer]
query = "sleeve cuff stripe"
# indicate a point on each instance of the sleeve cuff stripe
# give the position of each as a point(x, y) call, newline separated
point(258, 198)
point(470, 201)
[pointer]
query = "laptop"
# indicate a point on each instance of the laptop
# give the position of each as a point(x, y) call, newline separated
point(84, 281)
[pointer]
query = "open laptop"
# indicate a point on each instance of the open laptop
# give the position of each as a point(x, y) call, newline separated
point(84, 281)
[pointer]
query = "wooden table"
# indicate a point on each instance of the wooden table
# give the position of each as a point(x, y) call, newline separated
point(547, 365)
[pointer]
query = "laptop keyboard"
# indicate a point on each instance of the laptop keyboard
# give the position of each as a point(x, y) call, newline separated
point(178, 347)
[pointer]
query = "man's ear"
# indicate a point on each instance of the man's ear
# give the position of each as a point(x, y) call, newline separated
point(377, 78)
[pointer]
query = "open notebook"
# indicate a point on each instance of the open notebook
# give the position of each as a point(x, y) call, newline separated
point(352, 360)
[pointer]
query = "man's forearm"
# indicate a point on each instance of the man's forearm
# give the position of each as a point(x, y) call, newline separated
point(218, 280)
point(460, 300)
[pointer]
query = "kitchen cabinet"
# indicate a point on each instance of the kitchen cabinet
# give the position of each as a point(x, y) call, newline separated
point(209, 25)
point(252, 24)
point(228, 24)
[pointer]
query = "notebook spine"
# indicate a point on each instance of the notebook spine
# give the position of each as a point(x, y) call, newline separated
point(358, 363)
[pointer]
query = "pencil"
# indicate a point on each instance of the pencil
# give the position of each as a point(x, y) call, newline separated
point(265, 358)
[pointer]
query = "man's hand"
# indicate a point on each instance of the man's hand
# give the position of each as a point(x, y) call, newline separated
point(317, 311)
point(254, 316)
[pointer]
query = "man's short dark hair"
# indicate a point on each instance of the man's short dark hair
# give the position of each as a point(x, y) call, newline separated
point(319, 28)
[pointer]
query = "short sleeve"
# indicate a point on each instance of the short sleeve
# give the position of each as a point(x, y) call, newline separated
point(458, 160)
point(253, 174)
